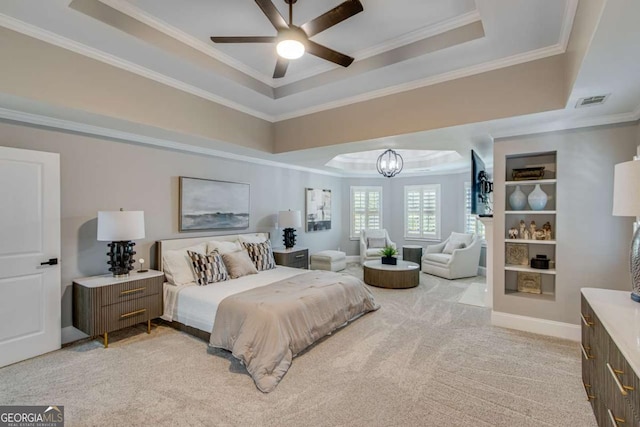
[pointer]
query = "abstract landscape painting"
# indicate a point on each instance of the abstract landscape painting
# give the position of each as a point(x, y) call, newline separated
point(212, 205)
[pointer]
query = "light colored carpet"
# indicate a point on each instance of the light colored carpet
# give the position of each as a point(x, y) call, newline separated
point(421, 360)
point(474, 295)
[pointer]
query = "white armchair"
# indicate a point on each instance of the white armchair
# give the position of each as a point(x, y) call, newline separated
point(455, 258)
point(371, 242)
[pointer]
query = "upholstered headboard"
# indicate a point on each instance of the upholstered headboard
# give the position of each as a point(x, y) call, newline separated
point(173, 244)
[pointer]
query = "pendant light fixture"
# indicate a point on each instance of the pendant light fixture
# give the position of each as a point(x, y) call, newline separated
point(390, 163)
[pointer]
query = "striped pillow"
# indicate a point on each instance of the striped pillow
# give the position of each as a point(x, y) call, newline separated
point(208, 268)
point(261, 255)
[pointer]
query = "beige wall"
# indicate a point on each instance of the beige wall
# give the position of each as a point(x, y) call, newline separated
point(521, 89)
point(36, 70)
point(584, 26)
point(99, 174)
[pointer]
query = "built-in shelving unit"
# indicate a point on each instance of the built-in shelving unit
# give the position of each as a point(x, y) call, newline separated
point(520, 279)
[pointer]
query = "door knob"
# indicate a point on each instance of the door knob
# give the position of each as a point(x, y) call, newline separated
point(52, 261)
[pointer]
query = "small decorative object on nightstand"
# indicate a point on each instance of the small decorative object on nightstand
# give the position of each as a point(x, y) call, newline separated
point(142, 270)
point(289, 221)
point(120, 228)
point(296, 258)
point(103, 304)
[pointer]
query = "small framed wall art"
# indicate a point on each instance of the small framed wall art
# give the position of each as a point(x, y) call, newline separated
point(318, 212)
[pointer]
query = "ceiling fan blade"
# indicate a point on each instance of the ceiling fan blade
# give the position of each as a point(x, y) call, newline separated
point(249, 39)
point(270, 10)
point(329, 54)
point(281, 68)
point(336, 15)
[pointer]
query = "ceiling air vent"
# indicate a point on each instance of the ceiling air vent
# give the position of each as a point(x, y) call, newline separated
point(592, 100)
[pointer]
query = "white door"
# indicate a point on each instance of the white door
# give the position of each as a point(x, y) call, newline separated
point(29, 236)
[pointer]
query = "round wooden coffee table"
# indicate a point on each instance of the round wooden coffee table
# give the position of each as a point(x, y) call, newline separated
point(401, 276)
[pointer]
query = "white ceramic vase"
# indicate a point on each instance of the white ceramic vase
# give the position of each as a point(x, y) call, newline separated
point(537, 199)
point(517, 199)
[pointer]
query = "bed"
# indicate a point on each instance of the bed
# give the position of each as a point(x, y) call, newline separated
point(263, 319)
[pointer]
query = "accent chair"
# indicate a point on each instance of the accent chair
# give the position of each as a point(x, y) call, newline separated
point(455, 258)
point(371, 242)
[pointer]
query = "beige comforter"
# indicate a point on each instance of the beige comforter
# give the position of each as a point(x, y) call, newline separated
point(266, 326)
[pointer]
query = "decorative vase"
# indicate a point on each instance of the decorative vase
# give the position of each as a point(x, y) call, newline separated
point(390, 260)
point(537, 199)
point(517, 199)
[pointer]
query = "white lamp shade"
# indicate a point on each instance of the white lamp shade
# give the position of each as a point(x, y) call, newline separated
point(289, 219)
point(115, 226)
point(626, 189)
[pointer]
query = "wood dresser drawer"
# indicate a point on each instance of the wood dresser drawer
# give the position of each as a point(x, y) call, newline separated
point(292, 258)
point(130, 290)
point(610, 383)
point(129, 313)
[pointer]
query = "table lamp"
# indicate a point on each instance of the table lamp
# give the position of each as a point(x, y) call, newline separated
point(626, 202)
point(120, 228)
point(289, 221)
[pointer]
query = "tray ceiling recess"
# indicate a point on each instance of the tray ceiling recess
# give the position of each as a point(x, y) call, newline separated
point(293, 41)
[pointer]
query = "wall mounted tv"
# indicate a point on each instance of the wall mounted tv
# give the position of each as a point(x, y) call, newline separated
point(481, 187)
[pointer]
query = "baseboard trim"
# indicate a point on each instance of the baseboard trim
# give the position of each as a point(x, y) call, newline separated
point(537, 326)
point(71, 334)
point(482, 271)
point(353, 258)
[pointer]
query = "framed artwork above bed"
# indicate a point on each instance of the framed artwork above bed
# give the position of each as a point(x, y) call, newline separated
point(318, 214)
point(206, 204)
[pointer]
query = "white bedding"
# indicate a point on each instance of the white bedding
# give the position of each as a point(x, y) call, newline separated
point(196, 306)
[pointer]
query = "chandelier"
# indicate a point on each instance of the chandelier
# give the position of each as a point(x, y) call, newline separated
point(390, 163)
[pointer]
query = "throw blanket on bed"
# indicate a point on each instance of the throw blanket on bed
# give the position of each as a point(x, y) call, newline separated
point(266, 326)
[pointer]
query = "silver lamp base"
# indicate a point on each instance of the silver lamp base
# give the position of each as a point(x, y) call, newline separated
point(635, 266)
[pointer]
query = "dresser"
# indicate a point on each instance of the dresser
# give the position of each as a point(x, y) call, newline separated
point(103, 304)
point(611, 356)
point(294, 257)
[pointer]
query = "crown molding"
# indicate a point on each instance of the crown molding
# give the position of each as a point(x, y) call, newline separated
point(567, 23)
point(107, 58)
point(440, 78)
point(83, 128)
point(139, 14)
point(562, 124)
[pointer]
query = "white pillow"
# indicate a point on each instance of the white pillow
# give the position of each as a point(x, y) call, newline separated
point(465, 238)
point(223, 247)
point(252, 238)
point(177, 264)
point(452, 246)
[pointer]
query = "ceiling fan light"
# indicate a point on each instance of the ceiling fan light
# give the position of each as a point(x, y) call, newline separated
point(290, 49)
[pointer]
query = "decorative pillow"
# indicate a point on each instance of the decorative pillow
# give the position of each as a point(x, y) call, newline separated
point(377, 242)
point(452, 246)
point(252, 238)
point(176, 264)
point(239, 264)
point(465, 238)
point(208, 268)
point(223, 247)
point(261, 255)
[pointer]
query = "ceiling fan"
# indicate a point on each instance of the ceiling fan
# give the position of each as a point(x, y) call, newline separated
point(293, 41)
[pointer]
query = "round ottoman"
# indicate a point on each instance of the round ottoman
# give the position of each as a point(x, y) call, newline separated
point(329, 260)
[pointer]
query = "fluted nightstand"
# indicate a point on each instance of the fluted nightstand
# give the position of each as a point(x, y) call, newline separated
point(294, 257)
point(103, 304)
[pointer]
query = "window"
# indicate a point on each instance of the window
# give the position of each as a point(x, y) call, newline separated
point(366, 209)
point(422, 211)
point(471, 223)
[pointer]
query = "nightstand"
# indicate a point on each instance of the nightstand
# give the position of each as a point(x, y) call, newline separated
point(103, 304)
point(294, 257)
